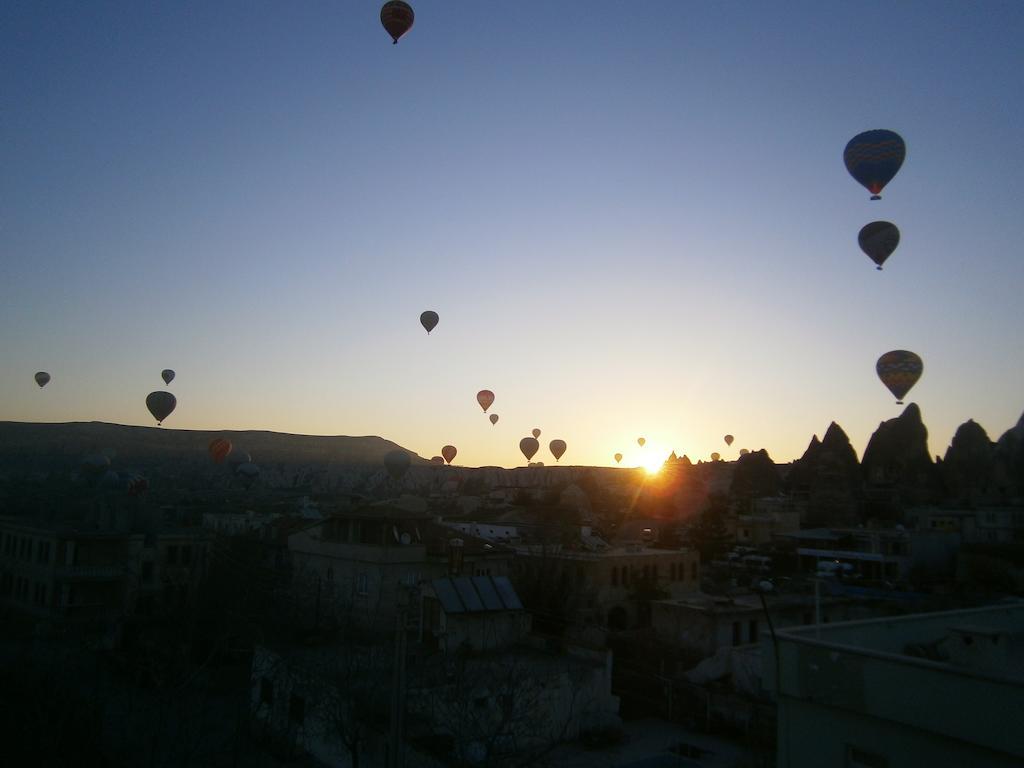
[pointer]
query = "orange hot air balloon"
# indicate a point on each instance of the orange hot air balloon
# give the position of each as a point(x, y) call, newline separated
point(529, 446)
point(716, 456)
point(397, 18)
point(618, 458)
point(899, 370)
point(449, 452)
point(486, 398)
point(557, 448)
point(536, 433)
point(219, 449)
point(494, 418)
point(729, 439)
point(641, 441)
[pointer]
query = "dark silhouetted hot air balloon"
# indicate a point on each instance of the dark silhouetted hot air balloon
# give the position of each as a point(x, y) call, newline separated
point(557, 448)
point(744, 451)
point(494, 418)
point(437, 459)
point(485, 397)
point(238, 458)
point(219, 449)
point(161, 405)
point(42, 379)
point(878, 240)
point(536, 433)
point(873, 158)
point(397, 464)
point(449, 452)
point(641, 441)
point(429, 321)
point(618, 458)
point(529, 446)
point(249, 472)
point(899, 370)
point(397, 18)
point(167, 375)
point(716, 456)
point(729, 439)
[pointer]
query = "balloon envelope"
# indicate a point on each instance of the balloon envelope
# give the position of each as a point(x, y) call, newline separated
point(494, 418)
point(397, 464)
point(449, 452)
point(397, 18)
point(618, 457)
point(219, 449)
point(529, 446)
point(899, 370)
point(878, 240)
point(161, 405)
point(557, 448)
point(744, 451)
point(248, 470)
point(873, 158)
point(42, 379)
point(716, 456)
point(641, 441)
point(486, 398)
point(167, 375)
point(536, 433)
point(429, 320)
point(729, 439)
point(437, 459)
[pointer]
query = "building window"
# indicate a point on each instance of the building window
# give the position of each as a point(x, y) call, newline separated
point(672, 572)
point(43, 552)
point(753, 630)
point(186, 555)
point(693, 570)
point(362, 584)
point(615, 576)
point(147, 570)
point(297, 709)
point(330, 574)
point(860, 758)
point(654, 571)
point(737, 633)
point(172, 555)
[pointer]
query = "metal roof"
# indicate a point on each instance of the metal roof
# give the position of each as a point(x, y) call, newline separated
point(476, 594)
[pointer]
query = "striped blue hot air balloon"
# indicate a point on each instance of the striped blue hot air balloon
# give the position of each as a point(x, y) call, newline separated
point(873, 158)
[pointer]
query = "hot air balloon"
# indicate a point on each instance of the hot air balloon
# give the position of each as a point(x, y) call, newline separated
point(744, 451)
point(449, 452)
point(899, 370)
point(42, 379)
point(485, 397)
point(729, 439)
point(219, 449)
point(557, 448)
point(618, 458)
point(873, 158)
point(161, 405)
point(437, 459)
point(397, 464)
point(167, 375)
point(641, 441)
point(529, 446)
point(536, 432)
point(397, 18)
point(494, 418)
point(248, 472)
point(878, 240)
point(238, 458)
point(716, 456)
point(429, 321)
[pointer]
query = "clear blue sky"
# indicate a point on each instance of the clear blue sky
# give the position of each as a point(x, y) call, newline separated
point(633, 219)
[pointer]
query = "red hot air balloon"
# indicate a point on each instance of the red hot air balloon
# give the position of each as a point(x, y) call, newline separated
point(437, 459)
point(449, 452)
point(899, 370)
point(486, 398)
point(557, 448)
point(429, 321)
point(42, 379)
point(494, 418)
point(219, 449)
point(397, 18)
point(529, 446)
point(161, 405)
point(536, 433)
point(729, 439)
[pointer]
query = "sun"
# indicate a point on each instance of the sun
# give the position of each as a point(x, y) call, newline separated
point(652, 464)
